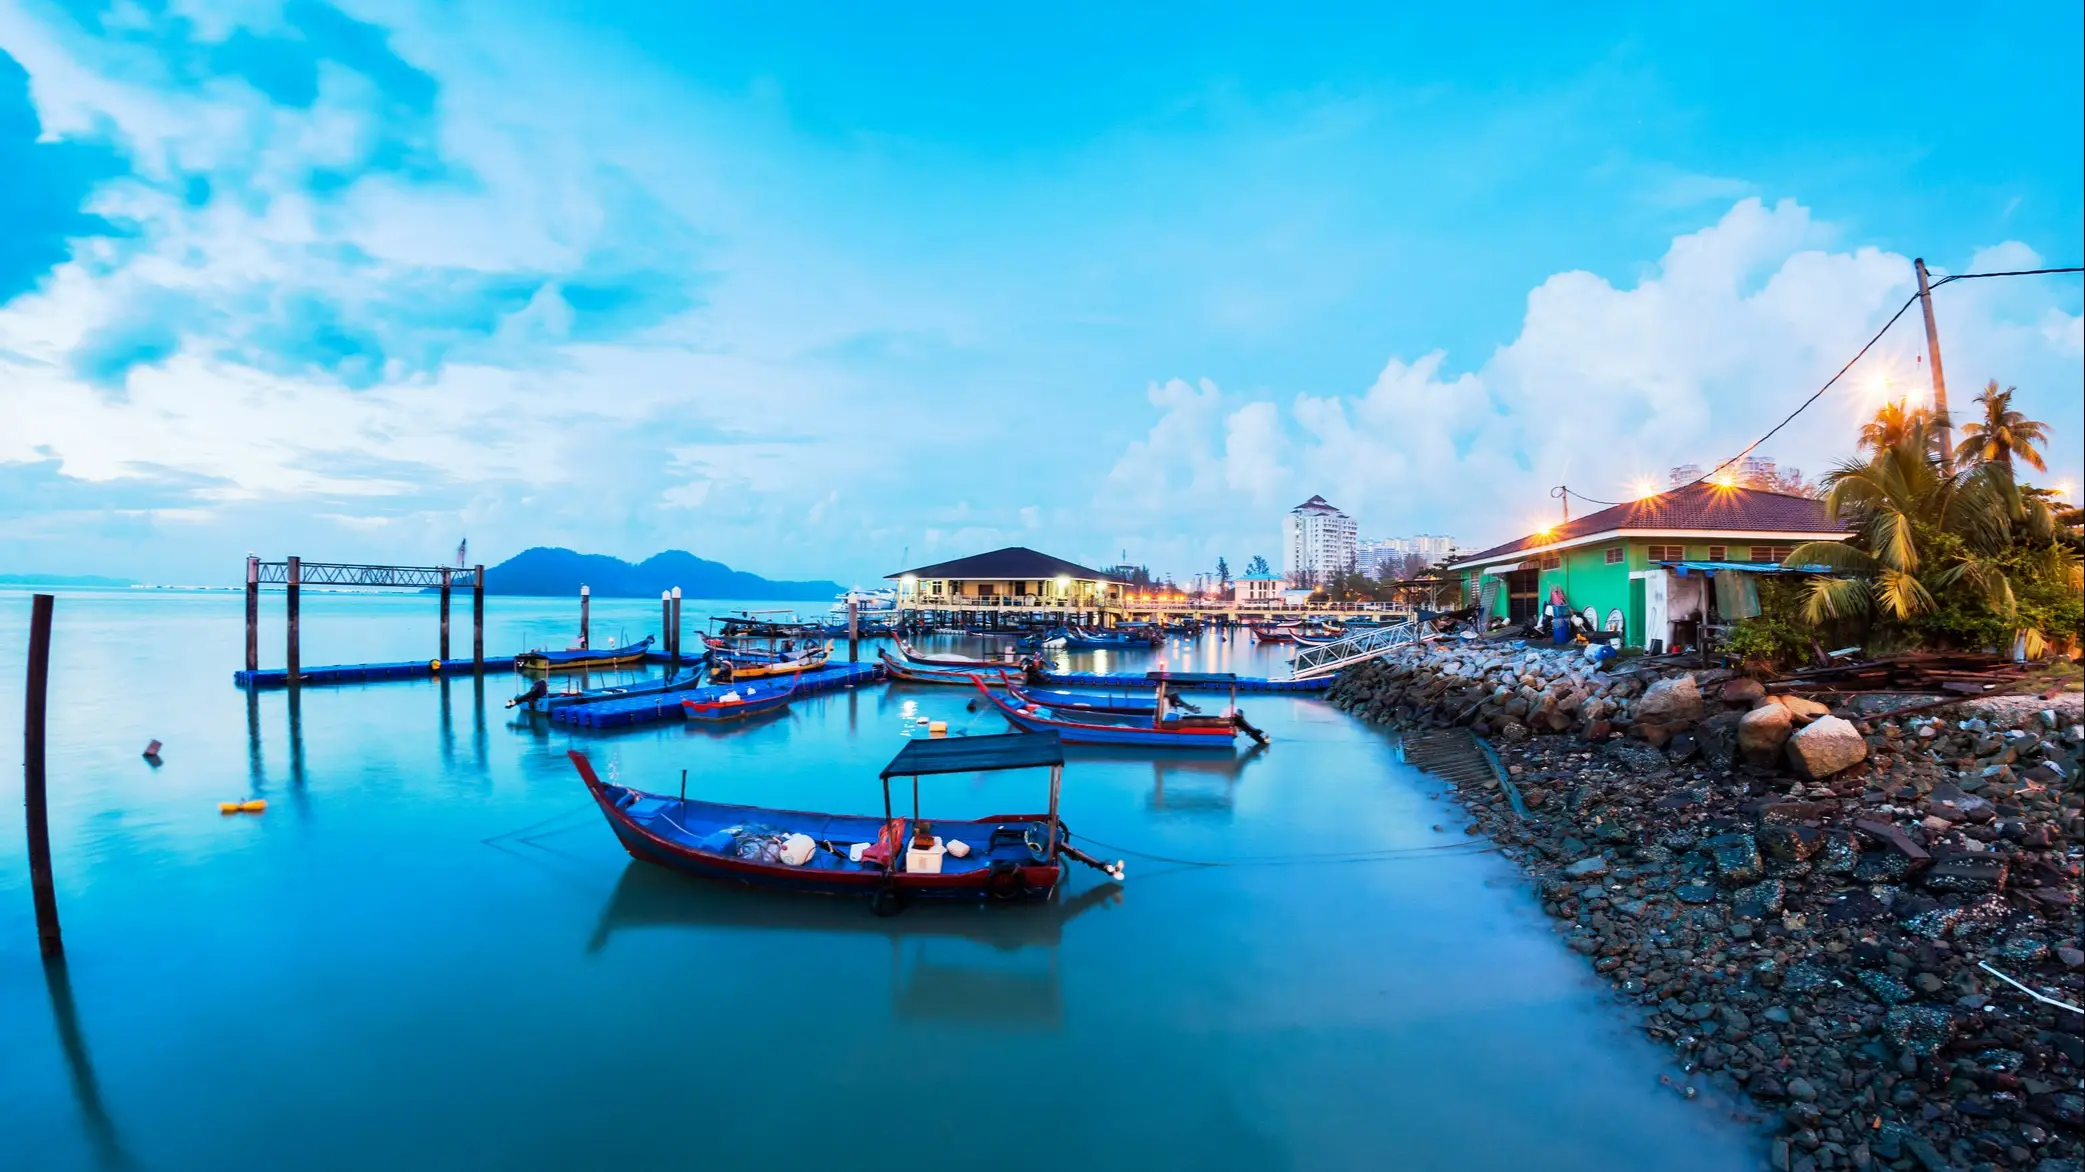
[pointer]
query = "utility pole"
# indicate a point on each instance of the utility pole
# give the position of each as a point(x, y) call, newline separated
point(1925, 297)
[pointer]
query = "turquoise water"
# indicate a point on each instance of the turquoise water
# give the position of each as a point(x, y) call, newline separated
point(429, 953)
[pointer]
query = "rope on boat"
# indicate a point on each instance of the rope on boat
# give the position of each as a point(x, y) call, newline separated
point(586, 805)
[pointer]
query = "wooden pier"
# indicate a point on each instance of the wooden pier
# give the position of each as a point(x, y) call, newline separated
point(293, 574)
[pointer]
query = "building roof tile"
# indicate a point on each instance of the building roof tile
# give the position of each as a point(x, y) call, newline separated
point(1015, 563)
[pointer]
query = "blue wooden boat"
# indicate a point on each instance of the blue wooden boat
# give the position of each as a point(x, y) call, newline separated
point(741, 701)
point(1113, 703)
point(539, 699)
point(584, 658)
point(1011, 856)
point(1162, 729)
point(1080, 639)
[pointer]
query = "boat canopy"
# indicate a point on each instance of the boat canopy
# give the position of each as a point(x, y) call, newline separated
point(921, 757)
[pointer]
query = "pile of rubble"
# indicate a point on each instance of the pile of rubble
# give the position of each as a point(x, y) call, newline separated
point(1819, 908)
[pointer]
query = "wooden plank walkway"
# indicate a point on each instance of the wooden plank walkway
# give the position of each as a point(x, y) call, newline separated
point(667, 706)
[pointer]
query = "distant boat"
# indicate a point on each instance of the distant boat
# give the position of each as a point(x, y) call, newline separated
point(1009, 856)
point(1080, 639)
point(915, 673)
point(583, 659)
point(732, 665)
point(913, 655)
point(1268, 633)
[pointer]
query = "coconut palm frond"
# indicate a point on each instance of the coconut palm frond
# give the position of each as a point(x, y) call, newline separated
point(1836, 598)
point(1902, 596)
point(1833, 555)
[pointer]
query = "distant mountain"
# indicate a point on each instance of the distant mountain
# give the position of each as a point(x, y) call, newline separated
point(62, 580)
point(557, 573)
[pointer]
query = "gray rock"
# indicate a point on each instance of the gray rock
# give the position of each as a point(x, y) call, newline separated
point(1760, 901)
point(2021, 948)
point(1736, 858)
point(1673, 701)
point(1694, 893)
point(1596, 865)
point(1840, 855)
point(1828, 745)
point(1886, 988)
point(1790, 844)
point(1918, 1030)
point(1802, 977)
point(1762, 731)
point(1974, 874)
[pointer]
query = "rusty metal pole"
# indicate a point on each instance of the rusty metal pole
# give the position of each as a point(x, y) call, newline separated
point(37, 813)
point(253, 613)
point(444, 656)
point(585, 600)
point(295, 660)
point(478, 618)
point(854, 648)
point(666, 621)
point(1946, 425)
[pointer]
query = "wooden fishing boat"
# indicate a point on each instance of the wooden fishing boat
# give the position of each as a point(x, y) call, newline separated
point(1113, 703)
point(1163, 728)
point(740, 702)
point(1010, 856)
point(1080, 639)
point(970, 662)
point(732, 666)
point(584, 659)
point(1269, 633)
point(913, 673)
point(540, 699)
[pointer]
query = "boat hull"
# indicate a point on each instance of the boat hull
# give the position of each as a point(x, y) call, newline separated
point(588, 660)
point(1072, 732)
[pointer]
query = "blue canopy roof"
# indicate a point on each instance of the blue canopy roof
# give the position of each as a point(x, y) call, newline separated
point(1710, 568)
point(974, 754)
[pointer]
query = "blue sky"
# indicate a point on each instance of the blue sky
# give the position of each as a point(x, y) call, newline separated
point(817, 293)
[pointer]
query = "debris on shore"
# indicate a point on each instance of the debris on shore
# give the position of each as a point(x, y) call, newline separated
point(1866, 923)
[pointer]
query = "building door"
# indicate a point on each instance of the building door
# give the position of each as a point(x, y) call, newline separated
point(1656, 625)
point(1522, 601)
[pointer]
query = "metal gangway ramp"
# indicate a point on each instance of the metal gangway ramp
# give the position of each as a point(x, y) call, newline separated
point(1326, 658)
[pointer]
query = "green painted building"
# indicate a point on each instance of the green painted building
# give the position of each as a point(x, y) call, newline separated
point(1648, 568)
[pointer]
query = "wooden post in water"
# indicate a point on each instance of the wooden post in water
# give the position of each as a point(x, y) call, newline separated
point(585, 600)
point(854, 633)
point(253, 613)
point(295, 661)
point(478, 618)
point(676, 626)
point(444, 657)
point(666, 621)
point(37, 814)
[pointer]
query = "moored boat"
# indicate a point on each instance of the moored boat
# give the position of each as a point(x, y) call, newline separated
point(540, 699)
point(913, 673)
point(1005, 857)
point(584, 658)
point(733, 663)
point(740, 702)
point(1163, 728)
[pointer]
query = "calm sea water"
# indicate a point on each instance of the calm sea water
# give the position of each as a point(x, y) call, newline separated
point(430, 953)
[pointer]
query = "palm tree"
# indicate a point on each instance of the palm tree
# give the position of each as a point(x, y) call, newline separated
point(1920, 531)
point(2002, 433)
point(1893, 421)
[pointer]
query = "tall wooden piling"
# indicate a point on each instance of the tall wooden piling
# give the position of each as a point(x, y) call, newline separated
point(854, 631)
point(37, 813)
point(295, 660)
point(676, 625)
point(445, 617)
point(253, 613)
point(666, 621)
point(478, 618)
point(585, 600)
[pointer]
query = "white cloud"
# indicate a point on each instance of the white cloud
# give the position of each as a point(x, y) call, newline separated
point(1739, 322)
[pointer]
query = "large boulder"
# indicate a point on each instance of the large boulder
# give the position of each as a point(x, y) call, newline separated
point(1673, 701)
point(1802, 709)
point(1825, 746)
point(1762, 731)
point(1743, 690)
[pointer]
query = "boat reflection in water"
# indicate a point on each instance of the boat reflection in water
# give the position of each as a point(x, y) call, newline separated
point(948, 962)
point(1184, 785)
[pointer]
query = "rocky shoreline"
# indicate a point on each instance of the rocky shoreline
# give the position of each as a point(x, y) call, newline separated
point(1807, 904)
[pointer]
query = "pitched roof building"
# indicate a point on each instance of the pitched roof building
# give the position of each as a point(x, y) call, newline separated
point(1015, 573)
point(1644, 566)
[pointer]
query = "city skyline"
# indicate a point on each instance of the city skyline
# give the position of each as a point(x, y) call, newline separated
point(352, 281)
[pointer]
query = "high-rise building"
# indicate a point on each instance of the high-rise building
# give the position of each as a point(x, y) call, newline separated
point(1683, 475)
point(1317, 542)
point(1377, 558)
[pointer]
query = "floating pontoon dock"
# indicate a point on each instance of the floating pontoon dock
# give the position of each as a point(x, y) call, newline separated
point(651, 709)
point(1185, 681)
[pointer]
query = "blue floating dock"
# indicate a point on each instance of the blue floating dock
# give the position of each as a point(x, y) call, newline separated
point(651, 709)
point(1182, 682)
point(367, 673)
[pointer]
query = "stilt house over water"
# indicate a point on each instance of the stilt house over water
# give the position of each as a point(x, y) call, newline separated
point(1012, 577)
point(1657, 568)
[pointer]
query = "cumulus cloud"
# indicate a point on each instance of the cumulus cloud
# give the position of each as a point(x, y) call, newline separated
point(1603, 386)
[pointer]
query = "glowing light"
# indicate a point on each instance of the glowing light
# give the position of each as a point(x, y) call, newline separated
point(1644, 488)
point(1725, 480)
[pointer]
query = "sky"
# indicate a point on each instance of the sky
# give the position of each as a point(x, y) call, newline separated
point(831, 290)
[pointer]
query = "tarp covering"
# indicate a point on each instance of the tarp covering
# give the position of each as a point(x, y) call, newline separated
point(1737, 594)
point(972, 754)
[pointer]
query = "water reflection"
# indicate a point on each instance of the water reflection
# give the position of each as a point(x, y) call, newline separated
point(256, 773)
point(79, 1065)
point(982, 964)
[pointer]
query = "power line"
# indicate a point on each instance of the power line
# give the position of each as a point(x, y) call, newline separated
point(1819, 393)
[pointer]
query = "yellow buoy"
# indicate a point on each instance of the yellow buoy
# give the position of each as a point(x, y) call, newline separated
point(434, 665)
point(227, 807)
point(255, 806)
